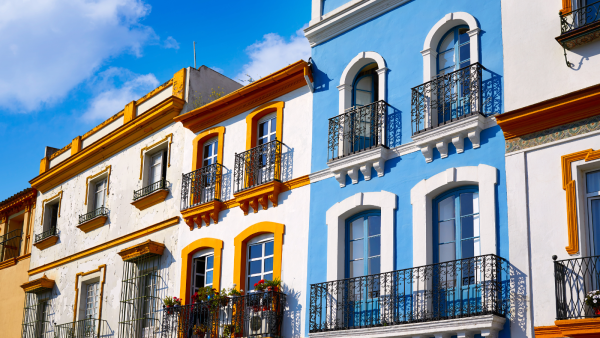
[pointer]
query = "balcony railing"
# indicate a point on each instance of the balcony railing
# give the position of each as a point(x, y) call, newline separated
point(102, 211)
point(579, 18)
point(259, 165)
point(201, 186)
point(86, 328)
point(10, 244)
point(574, 279)
point(447, 98)
point(358, 129)
point(48, 233)
point(455, 289)
point(253, 315)
point(145, 191)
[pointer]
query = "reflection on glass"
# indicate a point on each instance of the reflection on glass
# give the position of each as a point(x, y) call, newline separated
point(374, 264)
point(467, 227)
point(356, 229)
point(593, 181)
point(446, 209)
point(466, 204)
point(447, 231)
point(356, 268)
point(374, 225)
point(356, 249)
point(269, 248)
point(374, 246)
point(447, 252)
point(255, 251)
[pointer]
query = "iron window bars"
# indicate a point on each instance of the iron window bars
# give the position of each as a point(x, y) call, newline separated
point(48, 233)
point(201, 186)
point(85, 328)
point(358, 129)
point(581, 17)
point(10, 244)
point(446, 98)
point(257, 166)
point(574, 278)
point(140, 297)
point(254, 315)
point(455, 289)
point(36, 313)
point(147, 190)
point(102, 211)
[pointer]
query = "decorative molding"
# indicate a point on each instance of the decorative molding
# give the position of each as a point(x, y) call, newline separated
point(109, 244)
point(148, 247)
point(204, 212)
point(13, 261)
point(339, 22)
point(261, 194)
point(198, 145)
point(547, 332)
point(59, 195)
point(186, 264)
point(151, 200)
point(253, 118)
point(320, 175)
point(26, 197)
point(152, 146)
point(38, 285)
point(588, 327)
point(454, 132)
point(82, 274)
point(46, 242)
point(580, 36)
point(154, 92)
point(92, 224)
point(363, 161)
point(91, 177)
point(488, 326)
point(295, 183)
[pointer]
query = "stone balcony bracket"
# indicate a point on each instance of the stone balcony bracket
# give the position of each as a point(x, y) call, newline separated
point(454, 133)
point(363, 161)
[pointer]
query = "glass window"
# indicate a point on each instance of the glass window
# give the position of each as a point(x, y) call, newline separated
point(156, 168)
point(260, 263)
point(593, 204)
point(202, 272)
point(454, 51)
point(209, 153)
point(100, 193)
point(364, 244)
point(91, 300)
point(365, 86)
point(267, 131)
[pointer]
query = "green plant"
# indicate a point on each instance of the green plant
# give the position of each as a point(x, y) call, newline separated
point(171, 301)
point(198, 101)
point(229, 329)
point(249, 80)
point(202, 328)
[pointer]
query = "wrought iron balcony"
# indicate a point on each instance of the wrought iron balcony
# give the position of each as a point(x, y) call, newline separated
point(145, 191)
point(102, 211)
point(461, 288)
point(48, 233)
point(10, 244)
point(201, 186)
point(86, 328)
point(259, 165)
point(358, 129)
point(574, 279)
point(447, 98)
point(579, 18)
point(253, 315)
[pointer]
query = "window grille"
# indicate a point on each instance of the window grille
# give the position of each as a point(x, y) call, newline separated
point(36, 315)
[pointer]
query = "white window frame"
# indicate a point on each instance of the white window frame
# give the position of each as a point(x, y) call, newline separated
point(156, 166)
point(92, 300)
point(206, 270)
point(212, 157)
point(101, 192)
point(266, 119)
point(259, 241)
point(349, 75)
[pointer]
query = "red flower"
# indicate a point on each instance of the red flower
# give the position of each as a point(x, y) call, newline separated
point(255, 284)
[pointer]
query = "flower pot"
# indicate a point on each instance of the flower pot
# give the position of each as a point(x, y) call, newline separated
point(597, 311)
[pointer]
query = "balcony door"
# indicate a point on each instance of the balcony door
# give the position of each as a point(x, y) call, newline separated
point(456, 246)
point(208, 176)
point(363, 111)
point(593, 203)
point(267, 131)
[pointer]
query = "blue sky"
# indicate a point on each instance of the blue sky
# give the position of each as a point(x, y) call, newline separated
point(67, 65)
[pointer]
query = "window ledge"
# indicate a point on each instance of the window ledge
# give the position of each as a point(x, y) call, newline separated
point(454, 132)
point(580, 36)
point(151, 200)
point(46, 242)
point(488, 326)
point(363, 161)
point(93, 223)
point(203, 212)
point(259, 195)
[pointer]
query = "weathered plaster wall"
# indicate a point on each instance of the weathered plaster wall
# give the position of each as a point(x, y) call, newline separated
point(12, 298)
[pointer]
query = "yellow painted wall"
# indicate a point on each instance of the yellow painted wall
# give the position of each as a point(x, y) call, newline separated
point(12, 298)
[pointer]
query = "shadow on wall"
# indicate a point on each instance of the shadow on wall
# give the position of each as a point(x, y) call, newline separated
point(321, 79)
point(394, 127)
point(518, 300)
point(491, 93)
point(287, 163)
point(293, 320)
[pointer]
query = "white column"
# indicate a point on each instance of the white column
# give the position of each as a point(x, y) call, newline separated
point(474, 42)
point(429, 67)
point(315, 13)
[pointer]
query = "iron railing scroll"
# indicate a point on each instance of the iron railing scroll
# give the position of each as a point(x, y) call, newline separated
point(257, 166)
point(145, 191)
point(358, 129)
point(85, 328)
point(48, 233)
point(580, 17)
point(201, 186)
point(254, 315)
point(102, 211)
point(447, 98)
point(574, 279)
point(454, 289)
point(10, 244)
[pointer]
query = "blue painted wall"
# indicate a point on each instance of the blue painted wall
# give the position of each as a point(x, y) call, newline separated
point(398, 36)
point(329, 5)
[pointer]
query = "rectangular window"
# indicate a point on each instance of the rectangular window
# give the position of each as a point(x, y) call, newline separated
point(36, 316)
point(156, 168)
point(202, 272)
point(593, 204)
point(91, 300)
point(260, 263)
point(100, 194)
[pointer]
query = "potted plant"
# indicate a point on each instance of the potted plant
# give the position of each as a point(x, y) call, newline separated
point(593, 300)
point(229, 329)
point(260, 286)
point(200, 330)
point(170, 303)
point(273, 285)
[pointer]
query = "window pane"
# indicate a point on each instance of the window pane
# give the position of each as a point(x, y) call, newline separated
point(374, 265)
point(447, 233)
point(273, 124)
point(466, 204)
point(251, 282)
point(254, 267)
point(448, 42)
point(357, 229)
point(200, 265)
point(476, 226)
point(199, 282)
point(463, 65)
point(365, 83)
point(356, 249)
point(209, 277)
point(209, 262)
point(595, 227)
point(468, 248)
point(268, 264)
point(467, 227)
point(255, 251)
point(263, 129)
point(447, 252)
point(269, 248)
point(268, 276)
point(593, 181)
point(477, 247)
point(446, 59)
point(446, 209)
point(356, 269)
point(463, 35)
point(475, 202)
point(207, 150)
point(465, 52)
point(363, 98)
point(374, 246)
point(374, 225)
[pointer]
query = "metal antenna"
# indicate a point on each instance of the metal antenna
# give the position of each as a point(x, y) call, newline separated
point(194, 54)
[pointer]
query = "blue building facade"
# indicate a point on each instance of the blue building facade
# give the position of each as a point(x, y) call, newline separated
point(408, 232)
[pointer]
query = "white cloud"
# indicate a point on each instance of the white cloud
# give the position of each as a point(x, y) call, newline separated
point(47, 47)
point(272, 53)
point(217, 69)
point(115, 88)
point(170, 42)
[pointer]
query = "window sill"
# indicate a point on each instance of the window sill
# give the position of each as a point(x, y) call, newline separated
point(93, 224)
point(363, 161)
point(580, 36)
point(46, 242)
point(151, 200)
point(261, 194)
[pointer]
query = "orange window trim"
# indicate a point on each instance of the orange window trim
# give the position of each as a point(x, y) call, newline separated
point(199, 141)
point(566, 4)
point(253, 118)
point(241, 247)
point(186, 264)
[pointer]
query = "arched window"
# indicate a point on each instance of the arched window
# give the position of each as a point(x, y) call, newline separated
point(363, 244)
point(456, 225)
point(365, 86)
point(454, 50)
